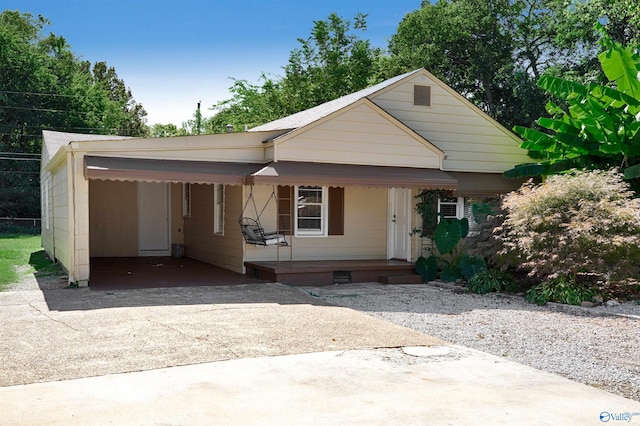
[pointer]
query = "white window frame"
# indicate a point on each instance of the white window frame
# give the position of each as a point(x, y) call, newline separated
point(459, 203)
point(186, 200)
point(324, 213)
point(45, 200)
point(218, 209)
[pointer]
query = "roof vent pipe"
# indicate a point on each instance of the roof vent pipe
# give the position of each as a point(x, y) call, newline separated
point(229, 128)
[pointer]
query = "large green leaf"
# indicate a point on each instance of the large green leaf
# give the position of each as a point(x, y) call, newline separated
point(525, 170)
point(447, 235)
point(539, 138)
point(621, 65)
point(464, 227)
point(615, 98)
point(632, 172)
point(558, 125)
point(471, 265)
point(450, 274)
point(427, 268)
point(562, 88)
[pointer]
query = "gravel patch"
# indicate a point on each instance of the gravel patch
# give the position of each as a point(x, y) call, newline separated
point(598, 346)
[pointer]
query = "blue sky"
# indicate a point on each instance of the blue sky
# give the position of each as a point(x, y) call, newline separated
point(173, 54)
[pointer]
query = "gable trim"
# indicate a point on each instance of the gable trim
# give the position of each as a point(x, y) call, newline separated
point(453, 93)
point(364, 101)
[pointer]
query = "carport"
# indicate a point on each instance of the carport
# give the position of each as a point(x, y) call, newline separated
point(115, 273)
point(138, 217)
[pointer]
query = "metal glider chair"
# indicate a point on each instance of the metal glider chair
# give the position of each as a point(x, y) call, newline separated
point(252, 230)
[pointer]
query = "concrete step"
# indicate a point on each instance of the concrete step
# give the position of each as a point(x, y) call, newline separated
point(400, 279)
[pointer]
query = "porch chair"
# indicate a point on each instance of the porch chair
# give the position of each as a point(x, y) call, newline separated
point(254, 234)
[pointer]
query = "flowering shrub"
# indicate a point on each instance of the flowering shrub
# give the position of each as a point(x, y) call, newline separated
point(577, 223)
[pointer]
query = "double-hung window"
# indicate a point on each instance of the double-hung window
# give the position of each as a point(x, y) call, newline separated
point(218, 209)
point(186, 200)
point(315, 211)
point(311, 210)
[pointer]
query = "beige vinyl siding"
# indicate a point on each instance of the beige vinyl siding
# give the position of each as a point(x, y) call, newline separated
point(233, 147)
point(470, 140)
point(46, 183)
point(113, 218)
point(199, 240)
point(60, 223)
point(80, 221)
point(359, 135)
point(365, 230)
point(177, 221)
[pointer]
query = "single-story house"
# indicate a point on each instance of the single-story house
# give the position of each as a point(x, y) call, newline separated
point(338, 180)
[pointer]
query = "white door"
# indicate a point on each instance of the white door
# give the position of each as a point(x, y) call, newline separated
point(153, 219)
point(399, 223)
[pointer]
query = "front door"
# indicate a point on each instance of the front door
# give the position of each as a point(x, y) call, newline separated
point(399, 223)
point(153, 219)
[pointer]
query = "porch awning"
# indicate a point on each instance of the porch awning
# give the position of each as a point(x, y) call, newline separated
point(484, 184)
point(141, 169)
point(325, 174)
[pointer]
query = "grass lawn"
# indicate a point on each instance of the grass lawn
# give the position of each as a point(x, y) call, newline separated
point(21, 255)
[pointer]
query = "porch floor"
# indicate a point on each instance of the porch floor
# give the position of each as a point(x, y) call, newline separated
point(110, 273)
point(326, 272)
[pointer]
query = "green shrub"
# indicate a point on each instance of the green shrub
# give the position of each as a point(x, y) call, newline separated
point(580, 222)
point(490, 280)
point(561, 290)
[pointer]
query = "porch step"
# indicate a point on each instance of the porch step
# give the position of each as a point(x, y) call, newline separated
point(400, 279)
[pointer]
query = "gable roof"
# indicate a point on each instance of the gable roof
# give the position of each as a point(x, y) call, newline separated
point(53, 141)
point(310, 115)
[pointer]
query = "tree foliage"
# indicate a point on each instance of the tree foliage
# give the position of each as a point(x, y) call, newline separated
point(332, 62)
point(43, 85)
point(598, 128)
point(463, 42)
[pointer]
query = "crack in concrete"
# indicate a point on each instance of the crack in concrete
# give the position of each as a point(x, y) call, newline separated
point(52, 319)
point(177, 331)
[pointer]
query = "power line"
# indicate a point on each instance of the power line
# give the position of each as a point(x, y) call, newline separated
point(35, 93)
point(43, 109)
point(17, 153)
point(19, 159)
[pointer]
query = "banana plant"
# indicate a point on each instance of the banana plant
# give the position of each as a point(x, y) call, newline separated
point(599, 129)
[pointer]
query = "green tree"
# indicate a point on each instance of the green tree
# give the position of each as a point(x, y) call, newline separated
point(332, 62)
point(43, 85)
point(166, 130)
point(464, 43)
point(599, 128)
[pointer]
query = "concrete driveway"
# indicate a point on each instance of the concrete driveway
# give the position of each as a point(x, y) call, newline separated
point(71, 333)
point(257, 354)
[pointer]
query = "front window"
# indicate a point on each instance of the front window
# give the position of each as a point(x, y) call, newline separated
point(311, 210)
point(450, 208)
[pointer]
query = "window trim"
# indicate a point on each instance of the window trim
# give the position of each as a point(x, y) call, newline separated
point(46, 205)
point(218, 209)
point(186, 200)
point(459, 203)
point(324, 213)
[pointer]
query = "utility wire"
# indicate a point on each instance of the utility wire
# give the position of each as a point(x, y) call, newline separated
point(19, 159)
point(35, 93)
point(17, 153)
